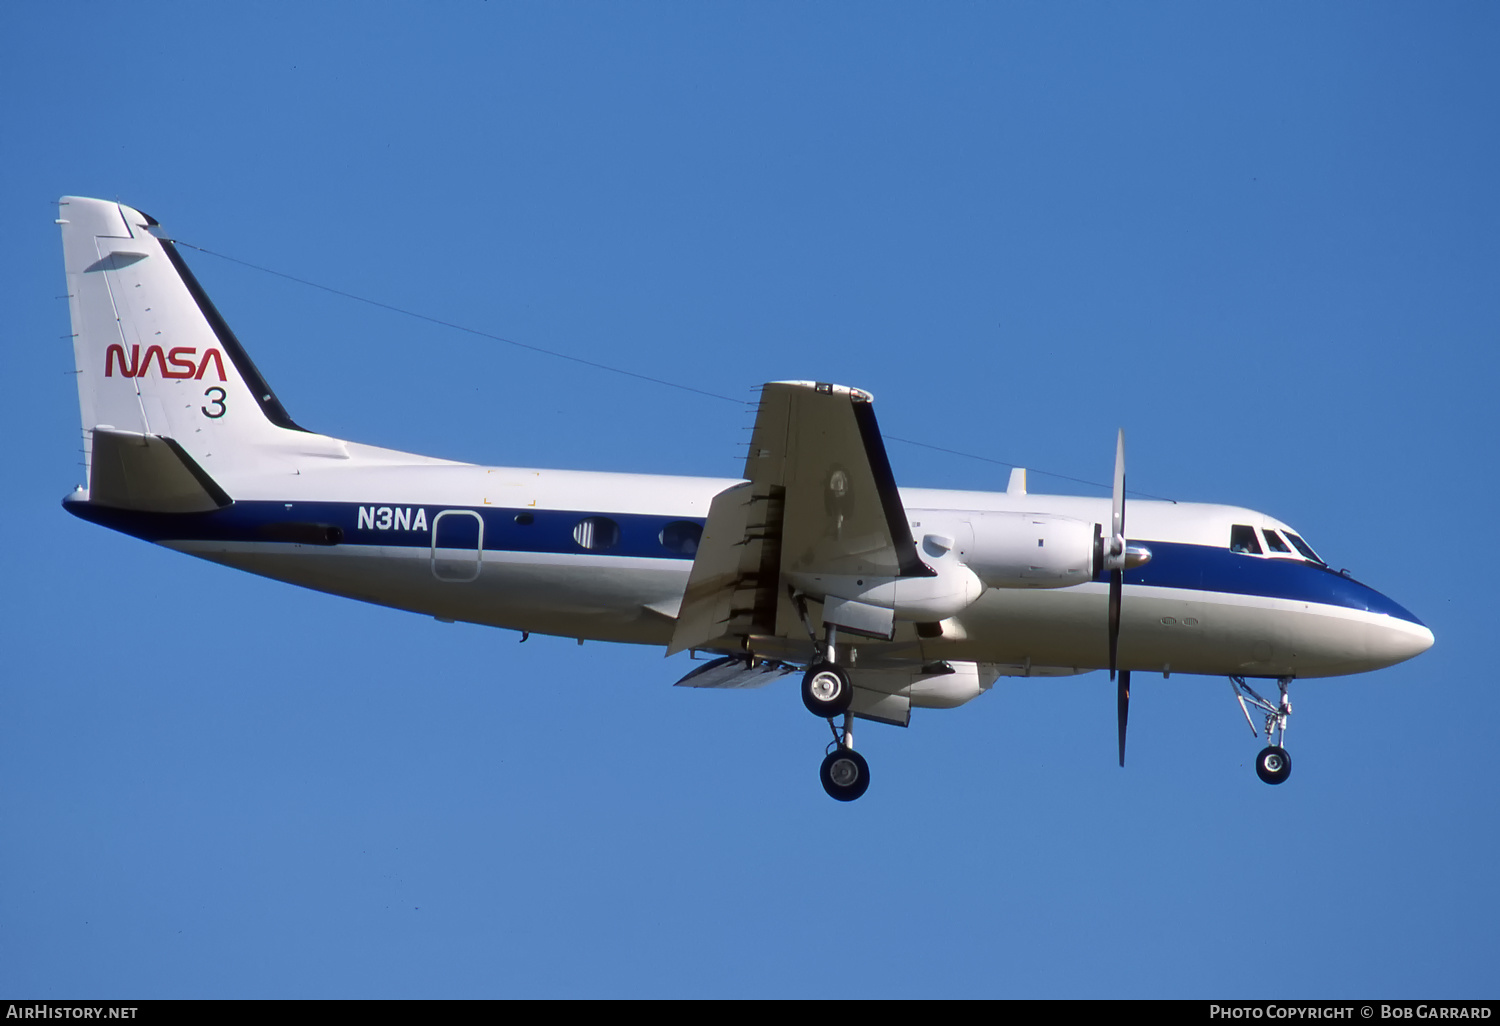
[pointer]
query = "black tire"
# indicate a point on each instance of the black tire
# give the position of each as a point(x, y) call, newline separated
point(1273, 764)
point(845, 774)
point(826, 690)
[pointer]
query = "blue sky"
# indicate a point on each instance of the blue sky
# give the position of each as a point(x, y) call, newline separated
point(1261, 238)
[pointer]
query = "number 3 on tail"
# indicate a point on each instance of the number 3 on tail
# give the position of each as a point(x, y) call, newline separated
point(217, 401)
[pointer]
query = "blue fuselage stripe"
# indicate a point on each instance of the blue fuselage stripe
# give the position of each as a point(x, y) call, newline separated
point(1173, 564)
point(1207, 568)
point(396, 525)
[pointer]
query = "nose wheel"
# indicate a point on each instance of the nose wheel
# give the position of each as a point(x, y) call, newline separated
point(1274, 764)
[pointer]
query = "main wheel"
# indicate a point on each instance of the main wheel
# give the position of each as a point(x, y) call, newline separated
point(1273, 764)
point(845, 774)
point(826, 691)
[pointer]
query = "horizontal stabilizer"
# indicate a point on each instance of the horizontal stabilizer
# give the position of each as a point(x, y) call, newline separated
point(149, 473)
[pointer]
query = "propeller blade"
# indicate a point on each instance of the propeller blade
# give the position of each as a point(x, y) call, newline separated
point(1117, 589)
point(1117, 511)
point(1116, 585)
point(1116, 551)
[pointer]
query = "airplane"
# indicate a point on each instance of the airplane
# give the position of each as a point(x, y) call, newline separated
point(883, 599)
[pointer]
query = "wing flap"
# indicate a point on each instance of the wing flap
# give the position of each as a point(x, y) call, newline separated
point(735, 671)
point(732, 588)
point(881, 707)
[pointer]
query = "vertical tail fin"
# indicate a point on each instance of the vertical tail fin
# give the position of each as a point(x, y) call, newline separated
point(154, 356)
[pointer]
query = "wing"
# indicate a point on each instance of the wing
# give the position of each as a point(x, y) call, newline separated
point(819, 499)
point(843, 513)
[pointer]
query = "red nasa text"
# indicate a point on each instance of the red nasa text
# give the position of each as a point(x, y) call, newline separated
point(182, 360)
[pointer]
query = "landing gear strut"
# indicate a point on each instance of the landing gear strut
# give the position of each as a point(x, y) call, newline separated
point(1274, 763)
point(844, 772)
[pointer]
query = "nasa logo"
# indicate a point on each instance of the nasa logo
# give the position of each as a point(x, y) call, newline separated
point(181, 359)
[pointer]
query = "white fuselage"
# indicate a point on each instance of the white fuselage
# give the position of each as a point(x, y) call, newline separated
point(502, 546)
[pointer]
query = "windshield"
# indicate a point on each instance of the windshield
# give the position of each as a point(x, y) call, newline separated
point(1303, 547)
point(1242, 539)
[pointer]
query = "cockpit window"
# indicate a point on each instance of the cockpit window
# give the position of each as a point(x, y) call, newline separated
point(1242, 539)
point(1304, 548)
point(1274, 542)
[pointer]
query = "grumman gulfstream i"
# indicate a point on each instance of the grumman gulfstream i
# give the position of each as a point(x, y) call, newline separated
point(816, 565)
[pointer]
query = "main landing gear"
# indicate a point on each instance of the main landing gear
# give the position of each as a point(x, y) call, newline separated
point(844, 772)
point(1273, 764)
point(826, 692)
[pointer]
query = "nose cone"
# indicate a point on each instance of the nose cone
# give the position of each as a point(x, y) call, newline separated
point(1393, 635)
point(1397, 640)
point(1371, 633)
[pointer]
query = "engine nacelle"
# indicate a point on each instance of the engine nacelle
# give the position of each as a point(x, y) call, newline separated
point(1030, 550)
point(952, 589)
point(968, 553)
point(964, 682)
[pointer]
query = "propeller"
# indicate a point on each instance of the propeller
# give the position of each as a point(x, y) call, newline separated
point(1114, 558)
point(1117, 557)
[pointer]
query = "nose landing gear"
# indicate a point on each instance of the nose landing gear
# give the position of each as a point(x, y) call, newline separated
point(1274, 764)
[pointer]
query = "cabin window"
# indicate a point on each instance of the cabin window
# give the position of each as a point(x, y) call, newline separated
point(1242, 539)
point(524, 518)
point(681, 537)
point(1304, 548)
point(1274, 542)
point(597, 533)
